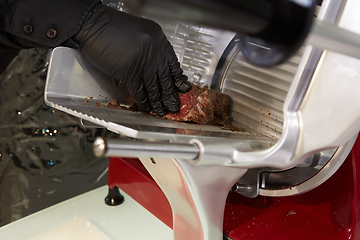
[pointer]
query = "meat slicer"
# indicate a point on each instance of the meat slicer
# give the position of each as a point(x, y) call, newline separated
point(292, 71)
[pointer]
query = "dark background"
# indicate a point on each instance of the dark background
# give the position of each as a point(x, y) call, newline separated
point(45, 154)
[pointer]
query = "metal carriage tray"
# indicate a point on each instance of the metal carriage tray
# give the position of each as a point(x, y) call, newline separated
point(78, 88)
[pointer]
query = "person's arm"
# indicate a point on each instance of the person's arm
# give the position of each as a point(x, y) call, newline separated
point(130, 49)
point(36, 23)
point(50, 23)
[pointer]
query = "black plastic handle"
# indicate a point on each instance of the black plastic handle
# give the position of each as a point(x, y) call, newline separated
point(270, 30)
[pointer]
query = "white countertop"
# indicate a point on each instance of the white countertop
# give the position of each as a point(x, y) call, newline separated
point(87, 215)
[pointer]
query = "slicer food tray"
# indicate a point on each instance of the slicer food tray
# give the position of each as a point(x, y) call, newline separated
point(78, 88)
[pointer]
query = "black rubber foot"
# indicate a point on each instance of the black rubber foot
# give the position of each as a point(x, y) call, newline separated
point(114, 197)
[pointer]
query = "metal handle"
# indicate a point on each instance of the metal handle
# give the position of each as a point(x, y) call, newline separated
point(328, 36)
point(280, 25)
point(133, 148)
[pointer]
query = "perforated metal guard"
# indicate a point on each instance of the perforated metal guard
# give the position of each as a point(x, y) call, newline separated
point(258, 94)
point(198, 48)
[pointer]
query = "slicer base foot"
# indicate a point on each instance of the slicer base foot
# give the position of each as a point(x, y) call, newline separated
point(114, 197)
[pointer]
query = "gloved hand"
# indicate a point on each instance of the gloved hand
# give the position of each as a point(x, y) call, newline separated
point(134, 51)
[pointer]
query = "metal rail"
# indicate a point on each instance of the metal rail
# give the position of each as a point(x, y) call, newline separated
point(134, 148)
point(330, 37)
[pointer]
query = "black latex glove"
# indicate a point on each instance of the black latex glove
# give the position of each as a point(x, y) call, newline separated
point(134, 51)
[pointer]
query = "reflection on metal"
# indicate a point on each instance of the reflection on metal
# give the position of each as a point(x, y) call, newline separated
point(248, 184)
point(270, 180)
point(307, 175)
point(258, 94)
point(279, 107)
point(197, 47)
point(274, 180)
point(99, 147)
point(335, 39)
point(132, 148)
point(196, 194)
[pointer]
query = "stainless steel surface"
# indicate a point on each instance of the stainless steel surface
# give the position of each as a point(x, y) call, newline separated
point(330, 110)
point(196, 194)
point(99, 147)
point(303, 172)
point(238, 188)
point(248, 184)
point(303, 100)
point(316, 176)
point(133, 148)
point(280, 155)
point(274, 180)
point(333, 11)
point(249, 82)
point(327, 36)
point(198, 48)
point(258, 94)
point(71, 79)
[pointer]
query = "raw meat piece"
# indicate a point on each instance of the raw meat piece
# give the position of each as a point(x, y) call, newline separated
point(202, 105)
